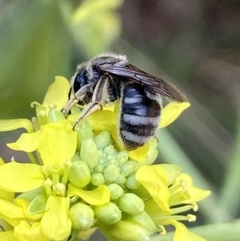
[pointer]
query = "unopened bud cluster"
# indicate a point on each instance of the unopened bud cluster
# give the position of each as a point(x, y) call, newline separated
point(96, 163)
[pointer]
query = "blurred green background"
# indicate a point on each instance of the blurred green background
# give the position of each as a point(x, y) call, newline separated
point(194, 44)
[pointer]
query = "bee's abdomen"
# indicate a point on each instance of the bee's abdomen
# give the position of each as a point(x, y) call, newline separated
point(139, 118)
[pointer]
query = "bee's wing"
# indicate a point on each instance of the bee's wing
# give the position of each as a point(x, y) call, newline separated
point(149, 82)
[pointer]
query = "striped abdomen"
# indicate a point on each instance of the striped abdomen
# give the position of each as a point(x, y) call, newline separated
point(139, 118)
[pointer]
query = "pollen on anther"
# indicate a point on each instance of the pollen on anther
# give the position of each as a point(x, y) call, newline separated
point(162, 230)
point(195, 207)
point(191, 218)
point(68, 163)
point(42, 113)
point(184, 185)
point(48, 182)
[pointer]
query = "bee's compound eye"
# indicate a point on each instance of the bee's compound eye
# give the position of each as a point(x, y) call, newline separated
point(80, 80)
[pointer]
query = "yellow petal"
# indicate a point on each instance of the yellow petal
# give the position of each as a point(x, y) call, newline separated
point(172, 172)
point(19, 177)
point(11, 213)
point(146, 153)
point(5, 195)
point(98, 196)
point(55, 222)
point(103, 120)
point(171, 112)
point(154, 179)
point(27, 142)
point(57, 93)
point(99, 120)
point(25, 232)
point(7, 236)
point(58, 144)
point(1, 161)
point(10, 210)
point(9, 125)
point(140, 153)
point(182, 233)
point(195, 194)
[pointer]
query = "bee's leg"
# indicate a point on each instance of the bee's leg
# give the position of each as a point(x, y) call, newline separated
point(89, 109)
point(78, 96)
point(100, 96)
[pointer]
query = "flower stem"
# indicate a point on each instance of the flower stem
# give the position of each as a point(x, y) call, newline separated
point(55, 177)
point(32, 158)
point(228, 231)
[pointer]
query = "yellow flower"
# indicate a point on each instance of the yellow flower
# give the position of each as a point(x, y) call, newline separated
point(56, 97)
point(182, 233)
point(19, 177)
point(56, 143)
point(82, 175)
point(26, 232)
point(7, 236)
point(49, 140)
point(169, 188)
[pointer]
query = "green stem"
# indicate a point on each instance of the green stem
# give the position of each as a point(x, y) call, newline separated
point(39, 158)
point(228, 231)
point(65, 175)
point(32, 158)
point(55, 178)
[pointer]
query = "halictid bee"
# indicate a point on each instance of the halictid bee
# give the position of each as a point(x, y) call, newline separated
point(109, 77)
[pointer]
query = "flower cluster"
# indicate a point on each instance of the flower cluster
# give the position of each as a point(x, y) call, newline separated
point(80, 180)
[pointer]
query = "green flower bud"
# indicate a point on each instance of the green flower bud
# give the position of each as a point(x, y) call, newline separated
point(97, 179)
point(116, 191)
point(108, 213)
point(109, 150)
point(126, 230)
point(131, 182)
point(141, 192)
point(79, 174)
point(89, 153)
point(111, 173)
point(102, 139)
point(76, 110)
point(121, 179)
point(122, 158)
point(38, 204)
point(131, 204)
point(128, 168)
point(84, 131)
point(76, 157)
point(146, 221)
point(99, 168)
point(82, 216)
point(55, 115)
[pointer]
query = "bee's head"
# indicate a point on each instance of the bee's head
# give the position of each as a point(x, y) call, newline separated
point(87, 77)
point(80, 79)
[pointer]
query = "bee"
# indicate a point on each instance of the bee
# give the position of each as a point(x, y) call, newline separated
point(110, 77)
